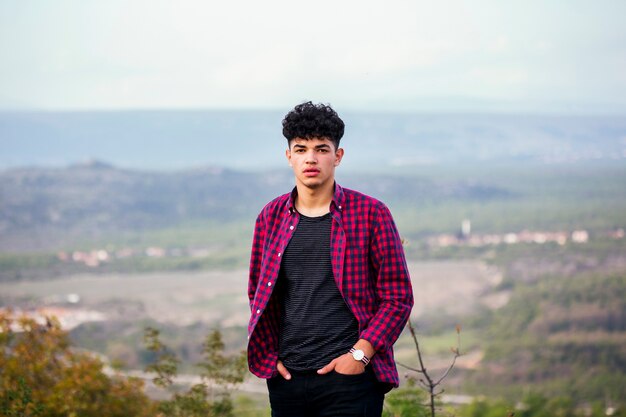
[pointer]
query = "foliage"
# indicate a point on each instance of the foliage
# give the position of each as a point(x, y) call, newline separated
point(17, 266)
point(219, 368)
point(26, 260)
point(166, 363)
point(211, 396)
point(406, 402)
point(248, 406)
point(565, 336)
point(484, 408)
point(537, 405)
point(43, 376)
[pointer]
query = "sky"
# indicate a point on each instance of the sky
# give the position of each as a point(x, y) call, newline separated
point(557, 56)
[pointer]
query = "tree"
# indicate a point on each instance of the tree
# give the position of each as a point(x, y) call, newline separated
point(43, 376)
point(210, 397)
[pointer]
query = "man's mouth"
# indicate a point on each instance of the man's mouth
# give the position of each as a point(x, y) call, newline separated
point(311, 172)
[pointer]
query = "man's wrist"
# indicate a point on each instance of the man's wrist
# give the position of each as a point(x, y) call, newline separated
point(359, 355)
point(366, 347)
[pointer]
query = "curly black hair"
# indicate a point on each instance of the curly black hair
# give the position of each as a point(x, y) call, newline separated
point(308, 120)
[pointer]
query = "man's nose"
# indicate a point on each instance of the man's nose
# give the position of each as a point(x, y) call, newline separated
point(311, 158)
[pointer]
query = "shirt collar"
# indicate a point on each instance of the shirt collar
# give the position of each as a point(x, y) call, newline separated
point(339, 197)
point(338, 201)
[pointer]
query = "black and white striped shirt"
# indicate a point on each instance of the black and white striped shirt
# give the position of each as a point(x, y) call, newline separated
point(316, 324)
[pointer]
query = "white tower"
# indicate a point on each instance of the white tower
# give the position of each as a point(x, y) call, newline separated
point(466, 228)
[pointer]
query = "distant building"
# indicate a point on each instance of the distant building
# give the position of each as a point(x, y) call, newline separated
point(580, 236)
point(466, 228)
point(155, 252)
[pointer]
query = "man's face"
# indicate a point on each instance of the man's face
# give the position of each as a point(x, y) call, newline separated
point(313, 161)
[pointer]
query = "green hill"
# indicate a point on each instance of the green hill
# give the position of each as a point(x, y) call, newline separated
point(562, 336)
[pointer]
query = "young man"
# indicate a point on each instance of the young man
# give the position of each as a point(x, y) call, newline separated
point(329, 288)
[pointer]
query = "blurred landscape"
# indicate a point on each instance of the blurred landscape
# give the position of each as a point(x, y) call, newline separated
point(514, 229)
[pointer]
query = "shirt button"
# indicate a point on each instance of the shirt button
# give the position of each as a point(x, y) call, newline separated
point(290, 227)
point(269, 284)
point(279, 254)
point(258, 311)
point(339, 207)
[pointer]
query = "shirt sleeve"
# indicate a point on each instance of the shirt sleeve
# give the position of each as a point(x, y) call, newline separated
point(256, 257)
point(393, 284)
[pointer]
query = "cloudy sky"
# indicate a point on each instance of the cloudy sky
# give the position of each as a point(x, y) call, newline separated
point(560, 56)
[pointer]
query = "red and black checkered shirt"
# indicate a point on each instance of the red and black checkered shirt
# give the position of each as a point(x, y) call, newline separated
point(368, 265)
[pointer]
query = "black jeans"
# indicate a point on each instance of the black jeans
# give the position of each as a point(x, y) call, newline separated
point(308, 394)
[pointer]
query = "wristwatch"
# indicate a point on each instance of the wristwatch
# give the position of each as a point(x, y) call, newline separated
point(359, 355)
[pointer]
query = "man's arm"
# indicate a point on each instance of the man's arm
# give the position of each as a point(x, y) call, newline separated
point(395, 294)
point(256, 257)
point(393, 284)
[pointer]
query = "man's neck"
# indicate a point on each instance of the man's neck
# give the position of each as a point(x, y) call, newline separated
point(314, 202)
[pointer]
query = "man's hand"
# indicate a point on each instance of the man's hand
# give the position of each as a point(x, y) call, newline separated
point(283, 371)
point(344, 364)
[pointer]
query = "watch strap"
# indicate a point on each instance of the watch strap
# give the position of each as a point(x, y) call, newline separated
point(365, 360)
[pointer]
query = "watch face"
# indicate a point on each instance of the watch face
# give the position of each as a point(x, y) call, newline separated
point(358, 354)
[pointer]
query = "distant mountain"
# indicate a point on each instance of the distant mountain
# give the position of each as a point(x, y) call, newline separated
point(252, 140)
point(40, 206)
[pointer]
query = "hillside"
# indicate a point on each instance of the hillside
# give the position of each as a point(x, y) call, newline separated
point(562, 336)
point(48, 208)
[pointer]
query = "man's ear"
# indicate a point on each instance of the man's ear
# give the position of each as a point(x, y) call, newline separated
point(338, 156)
point(288, 156)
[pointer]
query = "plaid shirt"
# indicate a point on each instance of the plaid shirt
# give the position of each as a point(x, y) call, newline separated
point(368, 265)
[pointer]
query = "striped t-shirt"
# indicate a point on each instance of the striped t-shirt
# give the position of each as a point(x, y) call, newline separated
point(316, 324)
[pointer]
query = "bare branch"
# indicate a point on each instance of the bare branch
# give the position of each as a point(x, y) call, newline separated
point(445, 374)
point(427, 383)
point(409, 367)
